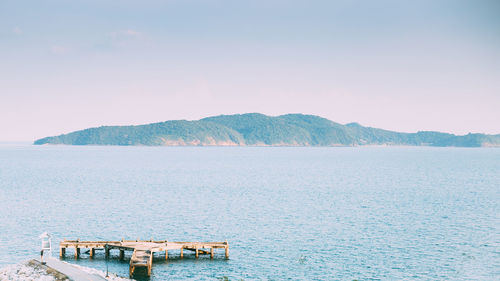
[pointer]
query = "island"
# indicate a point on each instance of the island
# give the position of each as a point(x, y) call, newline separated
point(255, 129)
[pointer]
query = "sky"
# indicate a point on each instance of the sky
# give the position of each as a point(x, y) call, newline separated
point(400, 65)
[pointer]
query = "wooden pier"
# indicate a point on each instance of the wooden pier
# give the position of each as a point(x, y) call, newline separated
point(143, 250)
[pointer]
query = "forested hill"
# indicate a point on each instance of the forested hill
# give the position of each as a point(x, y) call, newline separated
point(261, 130)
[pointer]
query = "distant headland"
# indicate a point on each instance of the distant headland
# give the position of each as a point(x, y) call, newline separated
point(255, 129)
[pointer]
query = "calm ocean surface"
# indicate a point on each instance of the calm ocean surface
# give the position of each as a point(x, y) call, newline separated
point(370, 213)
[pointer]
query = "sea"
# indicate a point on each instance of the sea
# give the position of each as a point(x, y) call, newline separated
point(288, 213)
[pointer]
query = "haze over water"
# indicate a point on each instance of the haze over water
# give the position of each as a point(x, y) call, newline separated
point(387, 213)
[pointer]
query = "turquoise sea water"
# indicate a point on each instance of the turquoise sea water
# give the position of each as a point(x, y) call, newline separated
point(369, 213)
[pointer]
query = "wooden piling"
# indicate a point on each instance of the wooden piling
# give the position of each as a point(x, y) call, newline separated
point(166, 250)
point(196, 251)
point(211, 253)
point(62, 252)
point(182, 253)
point(92, 252)
point(77, 253)
point(122, 254)
point(150, 264)
point(227, 249)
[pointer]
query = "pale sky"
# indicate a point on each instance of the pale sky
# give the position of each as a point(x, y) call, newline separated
point(398, 65)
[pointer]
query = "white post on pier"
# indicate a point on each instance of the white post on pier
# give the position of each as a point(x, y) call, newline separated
point(46, 245)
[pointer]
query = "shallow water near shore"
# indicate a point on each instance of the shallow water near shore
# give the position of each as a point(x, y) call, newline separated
point(299, 213)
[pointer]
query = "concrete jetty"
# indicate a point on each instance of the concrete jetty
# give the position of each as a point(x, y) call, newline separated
point(68, 271)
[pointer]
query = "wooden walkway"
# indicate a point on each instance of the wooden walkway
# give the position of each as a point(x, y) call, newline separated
point(143, 250)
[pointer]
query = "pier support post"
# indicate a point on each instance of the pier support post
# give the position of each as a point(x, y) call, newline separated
point(106, 252)
point(196, 252)
point(77, 253)
point(182, 253)
point(150, 264)
point(166, 254)
point(211, 253)
point(62, 252)
point(122, 254)
point(227, 249)
point(92, 252)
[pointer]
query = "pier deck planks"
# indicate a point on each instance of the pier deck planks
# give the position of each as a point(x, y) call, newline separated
point(143, 250)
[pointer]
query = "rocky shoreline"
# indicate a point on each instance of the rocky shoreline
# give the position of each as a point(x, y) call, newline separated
point(33, 270)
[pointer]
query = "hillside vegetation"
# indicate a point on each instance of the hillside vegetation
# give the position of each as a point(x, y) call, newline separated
point(261, 130)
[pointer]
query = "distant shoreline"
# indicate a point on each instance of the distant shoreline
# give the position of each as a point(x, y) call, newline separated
point(264, 146)
point(30, 144)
